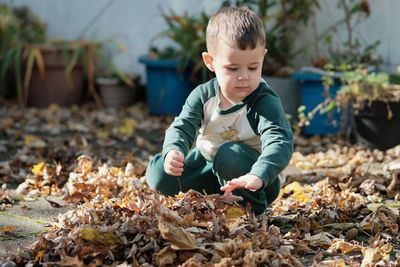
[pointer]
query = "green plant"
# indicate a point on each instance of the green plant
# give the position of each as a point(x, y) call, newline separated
point(17, 26)
point(23, 46)
point(349, 51)
point(282, 21)
point(358, 86)
point(189, 34)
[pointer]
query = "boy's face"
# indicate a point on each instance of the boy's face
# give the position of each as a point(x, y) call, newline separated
point(238, 71)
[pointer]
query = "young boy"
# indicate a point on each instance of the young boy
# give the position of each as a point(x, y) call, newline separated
point(244, 140)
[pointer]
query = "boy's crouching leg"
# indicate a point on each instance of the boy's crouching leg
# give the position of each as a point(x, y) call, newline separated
point(234, 160)
point(159, 180)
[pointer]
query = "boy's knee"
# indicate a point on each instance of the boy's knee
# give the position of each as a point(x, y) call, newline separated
point(233, 160)
point(155, 175)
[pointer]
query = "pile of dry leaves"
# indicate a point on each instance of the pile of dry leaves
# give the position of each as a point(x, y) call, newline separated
point(340, 206)
point(122, 221)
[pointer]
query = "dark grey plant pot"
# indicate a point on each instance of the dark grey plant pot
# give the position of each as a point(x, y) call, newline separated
point(372, 126)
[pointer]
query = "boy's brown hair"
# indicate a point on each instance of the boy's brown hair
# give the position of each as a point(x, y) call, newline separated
point(236, 26)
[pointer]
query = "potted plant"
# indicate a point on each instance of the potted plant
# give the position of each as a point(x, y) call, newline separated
point(17, 25)
point(374, 103)
point(282, 21)
point(117, 89)
point(48, 71)
point(172, 73)
point(346, 56)
point(115, 92)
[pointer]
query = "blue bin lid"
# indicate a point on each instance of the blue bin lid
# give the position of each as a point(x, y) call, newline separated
point(306, 76)
point(163, 63)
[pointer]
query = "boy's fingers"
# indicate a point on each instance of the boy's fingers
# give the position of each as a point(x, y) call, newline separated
point(177, 156)
point(228, 188)
point(176, 164)
point(174, 172)
point(227, 193)
point(237, 183)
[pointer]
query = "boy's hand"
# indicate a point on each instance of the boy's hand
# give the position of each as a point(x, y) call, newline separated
point(248, 181)
point(173, 163)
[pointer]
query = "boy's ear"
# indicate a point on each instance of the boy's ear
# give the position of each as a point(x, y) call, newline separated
point(265, 51)
point(208, 60)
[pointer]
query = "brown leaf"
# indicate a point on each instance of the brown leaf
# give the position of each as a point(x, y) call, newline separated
point(351, 234)
point(180, 238)
point(165, 257)
point(53, 203)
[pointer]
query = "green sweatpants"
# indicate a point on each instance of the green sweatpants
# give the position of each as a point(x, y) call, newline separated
point(231, 161)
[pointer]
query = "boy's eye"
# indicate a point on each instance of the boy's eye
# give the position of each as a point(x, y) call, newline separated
point(253, 68)
point(231, 69)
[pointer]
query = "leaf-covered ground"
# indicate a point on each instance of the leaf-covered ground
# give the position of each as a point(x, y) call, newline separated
point(339, 206)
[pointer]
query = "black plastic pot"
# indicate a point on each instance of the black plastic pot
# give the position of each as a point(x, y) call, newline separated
point(372, 126)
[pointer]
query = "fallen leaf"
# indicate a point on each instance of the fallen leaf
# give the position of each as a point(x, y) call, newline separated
point(180, 238)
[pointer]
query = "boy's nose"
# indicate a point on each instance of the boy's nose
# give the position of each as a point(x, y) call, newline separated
point(242, 76)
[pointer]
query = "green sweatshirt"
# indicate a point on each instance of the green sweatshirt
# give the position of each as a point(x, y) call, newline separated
point(258, 121)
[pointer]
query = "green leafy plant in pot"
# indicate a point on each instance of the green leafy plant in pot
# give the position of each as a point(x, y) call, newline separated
point(374, 103)
point(47, 71)
point(338, 56)
point(174, 71)
point(18, 25)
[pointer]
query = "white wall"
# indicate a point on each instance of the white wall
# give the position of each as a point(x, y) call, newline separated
point(383, 25)
point(135, 22)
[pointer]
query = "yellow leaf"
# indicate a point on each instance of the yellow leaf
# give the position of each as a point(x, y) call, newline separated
point(234, 213)
point(116, 170)
point(295, 187)
point(39, 255)
point(103, 134)
point(94, 236)
point(386, 248)
point(89, 235)
point(128, 127)
point(126, 130)
point(245, 245)
point(371, 227)
point(38, 169)
point(28, 139)
point(53, 108)
point(301, 197)
point(315, 225)
point(180, 195)
point(297, 192)
point(109, 239)
point(343, 247)
point(304, 166)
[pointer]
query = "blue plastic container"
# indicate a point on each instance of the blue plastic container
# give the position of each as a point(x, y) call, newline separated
point(312, 93)
point(167, 88)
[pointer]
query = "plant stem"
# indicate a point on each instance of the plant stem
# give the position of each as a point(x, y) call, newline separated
point(348, 24)
point(319, 37)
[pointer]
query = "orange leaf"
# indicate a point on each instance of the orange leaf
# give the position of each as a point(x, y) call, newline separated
point(8, 228)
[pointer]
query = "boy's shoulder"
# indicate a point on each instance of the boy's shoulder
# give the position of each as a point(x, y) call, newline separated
point(207, 90)
point(266, 102)
point(265, 93)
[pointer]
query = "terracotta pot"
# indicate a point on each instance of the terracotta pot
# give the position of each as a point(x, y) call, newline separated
point(114, 94)
point(53, 88)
